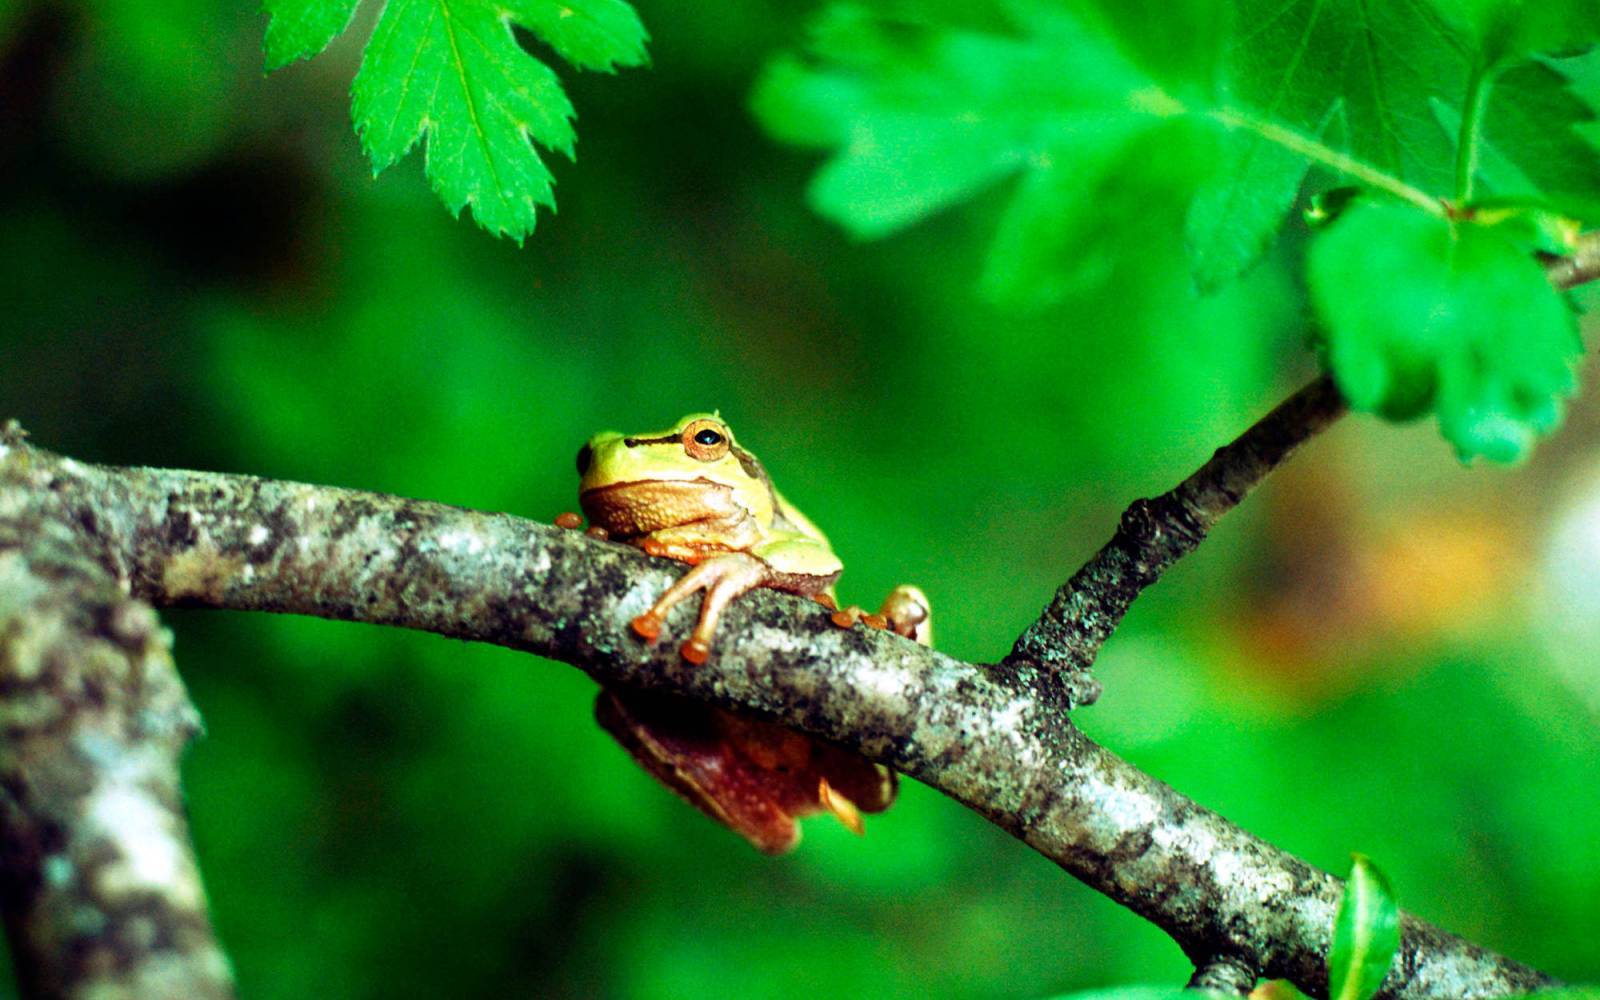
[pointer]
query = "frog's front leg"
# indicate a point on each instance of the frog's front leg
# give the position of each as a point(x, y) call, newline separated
point(723, 577)
point(797, 564)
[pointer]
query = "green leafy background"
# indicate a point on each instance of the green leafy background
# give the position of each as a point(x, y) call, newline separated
point(1381, 651)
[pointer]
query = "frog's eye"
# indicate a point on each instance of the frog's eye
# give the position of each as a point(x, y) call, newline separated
point(585, 459)
point(705, 440)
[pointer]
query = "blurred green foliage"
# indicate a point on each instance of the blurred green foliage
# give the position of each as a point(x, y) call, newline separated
point(201, 271)
point(1468, 325)
point(1419, 102)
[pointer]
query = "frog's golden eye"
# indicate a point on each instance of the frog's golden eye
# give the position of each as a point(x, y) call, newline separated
point(705, 440)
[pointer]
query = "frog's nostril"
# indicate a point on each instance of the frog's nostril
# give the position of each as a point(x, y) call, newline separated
point(585, 459)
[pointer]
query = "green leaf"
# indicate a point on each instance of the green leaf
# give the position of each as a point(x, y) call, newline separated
point(451, 72)
point(1297, 63)
point(1366, 934)
point(299, 29)
point(1177, 43)
point(1036, 257)
point(1562, 993)
point(1530, 144)
point(920, 116)
point(1421, 313)
point(927, 118)
point(1236, 214)
point(1332, 83)
point(1505, 31)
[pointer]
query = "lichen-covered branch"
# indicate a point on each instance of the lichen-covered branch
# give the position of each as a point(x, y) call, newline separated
point(99, 889)
point(1156, 533)
point(997, 741)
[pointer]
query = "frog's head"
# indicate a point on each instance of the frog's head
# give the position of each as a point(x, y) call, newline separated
point(636, 484)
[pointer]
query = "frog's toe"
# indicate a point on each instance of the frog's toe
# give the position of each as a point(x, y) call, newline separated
point(647, 626)
point(695, 651)
point(569, 520)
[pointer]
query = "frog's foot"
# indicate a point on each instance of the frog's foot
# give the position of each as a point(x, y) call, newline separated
point(909, 613)
point(905, 612)
point(756, 778)
point(723, 577)
point(848, 617)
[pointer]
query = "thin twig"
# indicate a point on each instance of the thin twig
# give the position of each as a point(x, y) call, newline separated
point(1579, 267)
point(1154, 534)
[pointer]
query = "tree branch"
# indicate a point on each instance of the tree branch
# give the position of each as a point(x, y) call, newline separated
point(99, 888)
point(1154, 534)
point(997, 741)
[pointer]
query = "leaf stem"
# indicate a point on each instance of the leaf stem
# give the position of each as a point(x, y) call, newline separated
point(1471, 126)
point(1319, 152)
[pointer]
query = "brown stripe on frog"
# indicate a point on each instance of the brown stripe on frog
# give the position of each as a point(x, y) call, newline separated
point(663, 439)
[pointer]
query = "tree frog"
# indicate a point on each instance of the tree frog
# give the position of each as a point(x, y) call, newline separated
point(691, 493)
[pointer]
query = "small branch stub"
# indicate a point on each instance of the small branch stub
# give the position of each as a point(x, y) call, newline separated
point(1228, 976)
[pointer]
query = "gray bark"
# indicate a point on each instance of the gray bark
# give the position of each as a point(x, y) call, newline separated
point(99, 888)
